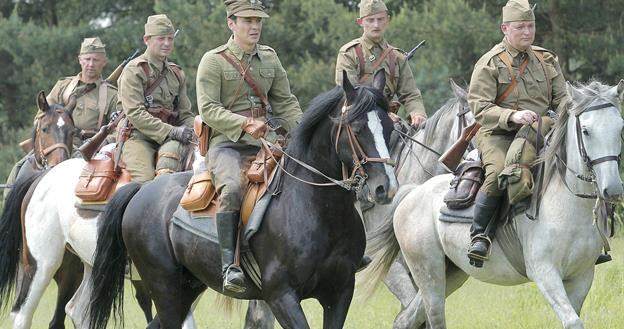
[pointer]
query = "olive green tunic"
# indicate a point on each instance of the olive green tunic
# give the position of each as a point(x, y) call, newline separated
point(403, 86)
point(149, 134)
point(540, 88)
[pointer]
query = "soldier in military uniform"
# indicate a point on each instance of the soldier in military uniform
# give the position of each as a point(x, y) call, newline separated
point(238, 117)
point(537, 85)
point(362, 57)
point(152, 93)
point(96, 99)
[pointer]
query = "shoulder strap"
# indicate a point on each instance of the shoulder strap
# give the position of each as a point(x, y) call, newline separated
point(376, 64)
point(69, 89)
point(149, 89)
point(102, 104)
point(243, 70)
point(176, 71)
point(540, 57)
point(504, 57)
point(360, 56)
point(392, 65)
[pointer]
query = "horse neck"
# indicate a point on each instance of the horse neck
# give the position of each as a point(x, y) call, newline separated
point(320, 154)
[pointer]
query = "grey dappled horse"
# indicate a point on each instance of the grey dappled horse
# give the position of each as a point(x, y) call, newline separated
point(557, 250)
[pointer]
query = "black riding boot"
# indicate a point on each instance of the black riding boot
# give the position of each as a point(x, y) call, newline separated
point(227, 230)
point(485, 208)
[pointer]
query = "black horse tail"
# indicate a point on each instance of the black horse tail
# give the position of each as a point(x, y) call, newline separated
point(110, 260)
point(11, 236)
point(382, 246)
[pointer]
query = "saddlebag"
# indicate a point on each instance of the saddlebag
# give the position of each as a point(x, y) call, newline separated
point(465, 185)
point(264, 164)
point(96, 180)
point(199, 193)
point(202, 131)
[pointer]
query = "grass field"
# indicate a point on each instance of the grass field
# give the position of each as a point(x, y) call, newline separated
point(476, 305)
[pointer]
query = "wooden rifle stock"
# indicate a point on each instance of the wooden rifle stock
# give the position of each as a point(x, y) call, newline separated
point(113, 77)
point(454, 155)
point(92, 145)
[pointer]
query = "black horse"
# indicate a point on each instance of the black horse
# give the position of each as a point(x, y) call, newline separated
point(309, 245)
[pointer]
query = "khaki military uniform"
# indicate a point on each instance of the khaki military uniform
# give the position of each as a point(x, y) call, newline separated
point(149, 134)
point(403, 85)
point(225, 100)
point(539, 89)
point(92, 108)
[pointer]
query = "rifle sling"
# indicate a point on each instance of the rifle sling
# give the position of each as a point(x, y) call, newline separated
point(149, 89)
point(243, 69)
point(388, 52)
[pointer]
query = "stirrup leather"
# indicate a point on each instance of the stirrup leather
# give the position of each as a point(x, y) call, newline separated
point(481, 237)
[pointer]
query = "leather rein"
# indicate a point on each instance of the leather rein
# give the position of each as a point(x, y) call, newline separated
point(358, 176)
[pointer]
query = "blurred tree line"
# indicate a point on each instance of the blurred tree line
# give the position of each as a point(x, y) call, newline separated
point(40, 39)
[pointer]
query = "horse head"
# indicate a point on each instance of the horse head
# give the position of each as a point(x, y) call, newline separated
point(53, 133)
point(363, 135)
point(597, 124)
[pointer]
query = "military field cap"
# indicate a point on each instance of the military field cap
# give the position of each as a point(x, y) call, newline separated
point(92, 45)
point(245, 8)
point(372, 7)
point(158, 25)
point(518, 10)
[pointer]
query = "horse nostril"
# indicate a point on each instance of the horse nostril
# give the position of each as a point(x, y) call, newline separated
point(380, 192)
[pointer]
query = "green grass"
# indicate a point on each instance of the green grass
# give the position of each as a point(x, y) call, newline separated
point(475, 305)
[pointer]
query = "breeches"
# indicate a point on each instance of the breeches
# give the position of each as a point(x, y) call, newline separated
point(144, 158)
point(227, 163)
point(493, 150)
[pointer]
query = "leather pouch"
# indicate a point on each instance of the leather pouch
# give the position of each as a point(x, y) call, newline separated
point(202, 131)
point(96, 180)
point(465, 185)
point(199, 192)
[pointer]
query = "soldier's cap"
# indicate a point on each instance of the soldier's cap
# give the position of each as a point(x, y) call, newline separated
point(372, 7)
point(158, 25)
point(92, 45)
point(245, 8)
point(518, 10)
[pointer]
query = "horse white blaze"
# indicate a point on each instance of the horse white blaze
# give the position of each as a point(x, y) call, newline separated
point(60, 123)
point(374, 124)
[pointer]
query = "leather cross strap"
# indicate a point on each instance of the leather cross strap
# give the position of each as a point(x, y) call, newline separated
point(152, 85)
point(244, 71)
point(505, 58)
point(388, 52)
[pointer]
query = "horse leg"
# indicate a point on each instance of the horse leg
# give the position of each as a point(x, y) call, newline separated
point(76, 308)
point(68, 278)
point(577, 288)
point(259, 316)
point(399, 282)
point(142, 296)
point(336, 307)
point(286, 307)
point(553, 289)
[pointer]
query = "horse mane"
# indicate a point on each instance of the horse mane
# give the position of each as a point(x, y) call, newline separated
point(586, 94)
point(432, 122)
point(325, 104)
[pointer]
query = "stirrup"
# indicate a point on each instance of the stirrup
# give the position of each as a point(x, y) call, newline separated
point(478, 257)
point(228, 283)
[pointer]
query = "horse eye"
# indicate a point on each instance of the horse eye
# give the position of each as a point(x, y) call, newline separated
point(585, 131)
point(44, 129)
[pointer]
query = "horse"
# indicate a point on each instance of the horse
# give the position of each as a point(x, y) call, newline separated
point(417, 162)
point(556, 250)
point(309, 245)
point(52, 141)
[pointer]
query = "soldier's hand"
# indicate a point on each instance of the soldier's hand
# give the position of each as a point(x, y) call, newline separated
point(417, 119)
point(523, 117)
point(255, 128)
point(182, 134)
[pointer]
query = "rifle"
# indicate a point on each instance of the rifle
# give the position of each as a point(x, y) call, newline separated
point(91, 145)
point(112, 78)
point(411, 53)
point(123, 135)
point(453, 156)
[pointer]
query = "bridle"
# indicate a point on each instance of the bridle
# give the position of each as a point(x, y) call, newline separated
point(589, 163)
point(44, 152)
point(353, 182)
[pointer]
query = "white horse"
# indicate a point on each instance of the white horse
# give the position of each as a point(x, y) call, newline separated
point(557, 251)
point(52, 223)
point(417, 162)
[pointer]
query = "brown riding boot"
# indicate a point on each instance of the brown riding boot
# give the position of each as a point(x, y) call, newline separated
point(227, 230)
point(485, 209)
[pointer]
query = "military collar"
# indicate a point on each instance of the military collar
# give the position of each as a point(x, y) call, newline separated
point(238, 52)
point(369, 44)
point(511, 50)
point(97, 82)
point(156, 62)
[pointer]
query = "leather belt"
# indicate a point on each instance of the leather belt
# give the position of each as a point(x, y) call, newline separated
point(253, 112)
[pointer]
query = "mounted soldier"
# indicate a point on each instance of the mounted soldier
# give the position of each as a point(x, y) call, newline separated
point(152, 93)
point(94, 101)
point(512, 85)
point(241, 85)
point(364, 56)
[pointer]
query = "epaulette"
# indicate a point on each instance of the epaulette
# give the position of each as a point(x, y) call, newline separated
point(499, 48)
point(218, 49)
point(350, 44)
point(265, 47)
point(110, 85)
point(136, 62)
point(538, 48)
point(174, 64)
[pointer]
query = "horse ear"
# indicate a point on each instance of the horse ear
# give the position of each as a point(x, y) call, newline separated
point(458, 91)
point(348, 88)
point(42, 102)
point(620, 90)
point(379, 80)
point(574, 93)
